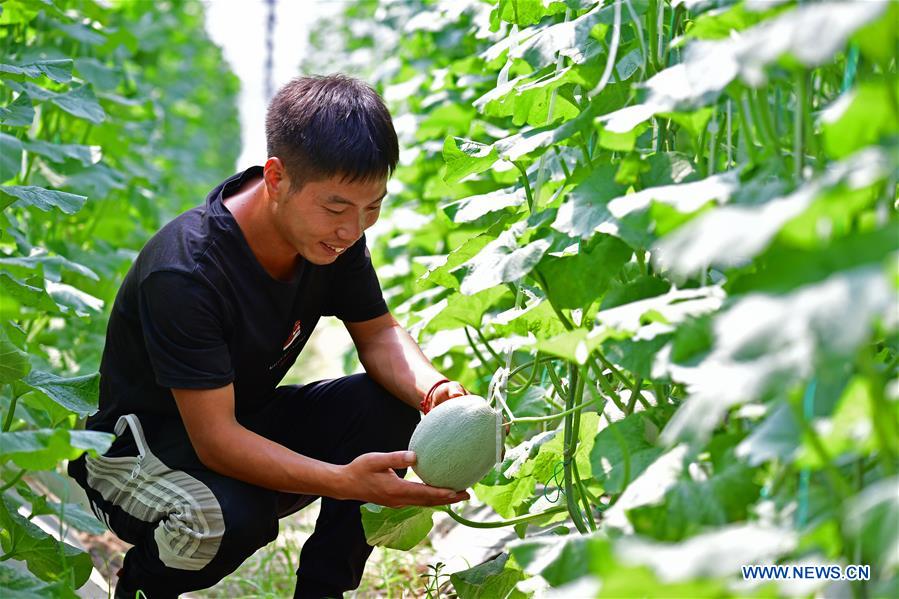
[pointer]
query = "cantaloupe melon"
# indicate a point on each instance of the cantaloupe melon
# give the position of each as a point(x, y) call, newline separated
point(457, 443)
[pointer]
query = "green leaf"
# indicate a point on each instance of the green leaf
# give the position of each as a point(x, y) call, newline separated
point(877, 40)
point(79, 394)
point(46, 558)
point(59, 70)
point(18, 113)
point(493, 578)
point(790, 333)
point(527, 99)
point(558, 560)
point(635, 356)
point(624, 450)
point(693, 122)
point(643, 317)
point(98, 74)
point(502, 261)
point(577, 345)
point(82, 103)
point(692, 506)
point(45, 199)
point(861, 117)
point(400, 528)
point(549, 458)
point(683, 197)
point(71, 299)
point(51, 266)
point(19, 584)
point(62, 152)
point(82, 33)
point(586, 207)
point(10, 157)
point(811, 33)
point(466, 309)
point(472, 208)
point(70, 513)
point(440, 275)
point(639, 288)
point(14, 363)
point(43, 449)
point(464, 157)
point(715, 25)
point(872, 523)
point(784, 267)
point(529, 141)
point(538, 318)
point(526, 12)
point(776, 438)
point(25, 294)
point(716, 554)
point(849, 430)
point(733, 235)
point(568, 39)
point(647, 488)
point(597, 261)
point(507, 497)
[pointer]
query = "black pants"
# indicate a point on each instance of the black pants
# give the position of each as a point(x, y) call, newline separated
point(191, 527)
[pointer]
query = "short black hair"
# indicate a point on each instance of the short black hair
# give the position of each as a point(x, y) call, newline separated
point(333, 125)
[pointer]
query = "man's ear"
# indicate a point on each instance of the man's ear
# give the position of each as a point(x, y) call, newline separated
point(277, 183)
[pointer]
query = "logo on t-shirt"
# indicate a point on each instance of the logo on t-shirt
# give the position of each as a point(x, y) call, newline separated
point(294, 334)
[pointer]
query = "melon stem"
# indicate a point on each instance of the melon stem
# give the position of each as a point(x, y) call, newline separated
point(501, 523)
point(576, 408)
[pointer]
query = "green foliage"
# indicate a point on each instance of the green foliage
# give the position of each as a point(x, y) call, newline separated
point(402, 528)
point(113, 117)
point(696, 239)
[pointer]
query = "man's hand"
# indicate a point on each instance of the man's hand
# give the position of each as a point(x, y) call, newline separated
point(446, 391)
point(370, 477)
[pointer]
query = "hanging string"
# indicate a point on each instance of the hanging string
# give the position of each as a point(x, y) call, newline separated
point(497, 390)
point(808, 411)
point(268, 81)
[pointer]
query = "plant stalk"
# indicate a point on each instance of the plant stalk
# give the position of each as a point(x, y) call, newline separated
point(500, 523)
point(570, 446)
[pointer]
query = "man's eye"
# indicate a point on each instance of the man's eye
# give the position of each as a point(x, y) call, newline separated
point(378, 207)
point(334, 211)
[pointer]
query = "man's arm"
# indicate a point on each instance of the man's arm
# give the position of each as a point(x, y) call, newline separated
point(393, 359)
point(225, 446)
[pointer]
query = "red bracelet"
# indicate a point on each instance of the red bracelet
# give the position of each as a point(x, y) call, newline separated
point(425, 405)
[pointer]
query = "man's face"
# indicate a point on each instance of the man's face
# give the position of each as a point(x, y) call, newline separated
point(324, 218)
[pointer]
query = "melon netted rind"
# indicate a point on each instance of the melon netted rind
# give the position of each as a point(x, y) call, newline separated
point(455, 443)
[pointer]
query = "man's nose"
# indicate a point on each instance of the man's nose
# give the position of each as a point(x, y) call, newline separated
point(350, 230)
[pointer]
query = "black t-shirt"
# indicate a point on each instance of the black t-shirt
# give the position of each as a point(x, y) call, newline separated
point(198, 311)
